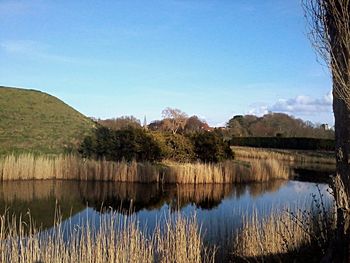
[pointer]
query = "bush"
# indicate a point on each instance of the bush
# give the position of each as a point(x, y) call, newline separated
point(137, 144)
point(210, 147)
point(127, 144)
point(175, 147)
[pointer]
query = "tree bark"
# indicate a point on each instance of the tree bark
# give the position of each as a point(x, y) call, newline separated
point(337, 23)
point(341, 183)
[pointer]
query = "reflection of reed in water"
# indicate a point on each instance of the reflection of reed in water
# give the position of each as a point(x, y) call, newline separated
point(41, 199)
point(256, 189)
point(203, 196)
point(11, 191)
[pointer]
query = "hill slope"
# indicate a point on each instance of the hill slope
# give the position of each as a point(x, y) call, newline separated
point(36, 121)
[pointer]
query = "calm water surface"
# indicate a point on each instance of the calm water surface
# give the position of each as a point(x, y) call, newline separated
point(218, 208)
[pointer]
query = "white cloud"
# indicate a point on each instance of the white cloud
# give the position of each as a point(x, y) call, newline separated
point(299, 106)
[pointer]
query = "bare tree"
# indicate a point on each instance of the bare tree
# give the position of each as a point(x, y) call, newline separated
point(329, 22)
point(174, 119)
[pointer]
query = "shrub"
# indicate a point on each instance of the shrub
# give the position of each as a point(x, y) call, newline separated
point(127, 144)
point(175, 147)
point(210, 147)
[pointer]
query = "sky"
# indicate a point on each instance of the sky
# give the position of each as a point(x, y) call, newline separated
point(213, 59)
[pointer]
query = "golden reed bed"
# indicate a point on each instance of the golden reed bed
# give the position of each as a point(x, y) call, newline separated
point(71, 167)
point(118, 239)
point(320, 157)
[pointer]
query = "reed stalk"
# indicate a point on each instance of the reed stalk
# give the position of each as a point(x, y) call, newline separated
point(71, 167)
point(118, 239)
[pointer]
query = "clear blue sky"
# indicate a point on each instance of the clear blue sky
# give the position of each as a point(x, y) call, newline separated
point(212, 58)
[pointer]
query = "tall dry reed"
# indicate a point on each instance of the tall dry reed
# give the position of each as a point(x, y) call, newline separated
point(284, 155)
point(118, 239)
point(225, 172)
point(27, 167)
point(276, 234)
point(288, 234)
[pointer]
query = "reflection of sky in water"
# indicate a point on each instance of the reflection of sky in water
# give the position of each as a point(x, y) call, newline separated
point(218, 222)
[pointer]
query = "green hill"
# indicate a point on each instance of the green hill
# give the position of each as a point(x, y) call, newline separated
point(31, 120)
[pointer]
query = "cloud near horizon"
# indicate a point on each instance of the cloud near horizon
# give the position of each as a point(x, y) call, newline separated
point(299, 106)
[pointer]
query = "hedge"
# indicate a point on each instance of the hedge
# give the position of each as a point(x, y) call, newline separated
point(297, 143)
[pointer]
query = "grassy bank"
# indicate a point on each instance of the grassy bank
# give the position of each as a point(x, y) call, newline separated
point(302, 156)
point(70, 167)
point(36, 121)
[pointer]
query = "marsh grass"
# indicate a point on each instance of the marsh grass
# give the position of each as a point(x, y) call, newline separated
point(117, 239)
point(298, 236)
point(276, 234)
point(71, 167)
point(320, 157)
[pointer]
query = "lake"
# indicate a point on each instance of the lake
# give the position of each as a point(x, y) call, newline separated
point(219, 208)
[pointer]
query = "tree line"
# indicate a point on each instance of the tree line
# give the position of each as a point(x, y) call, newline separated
point(275, 125)
point(176, 121)
point(139, 144)
point(181, 138)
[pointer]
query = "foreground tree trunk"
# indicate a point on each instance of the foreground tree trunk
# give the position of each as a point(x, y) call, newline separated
point(330, 34)
point(341, 182)
point(337, 19)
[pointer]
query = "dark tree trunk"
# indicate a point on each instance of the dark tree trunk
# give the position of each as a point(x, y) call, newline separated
point(341, 184)
point(337, 21)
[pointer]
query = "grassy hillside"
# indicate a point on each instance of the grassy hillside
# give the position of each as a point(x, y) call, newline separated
point(35, 121)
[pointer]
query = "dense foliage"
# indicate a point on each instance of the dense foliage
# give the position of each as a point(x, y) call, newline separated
point(275, 124)
point(127, 144)
point(284, 143)
point(210, 147)
point(175, 147)
point(141, 145)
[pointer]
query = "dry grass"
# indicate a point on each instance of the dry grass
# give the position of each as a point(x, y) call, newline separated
point(281, 234)
point(276, 234)
point(225, 172)
point(28, 167)
point(119, 239)
point(284, 155)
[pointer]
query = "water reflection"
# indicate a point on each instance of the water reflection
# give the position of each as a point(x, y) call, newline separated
point(40, 197)
point(219, 207)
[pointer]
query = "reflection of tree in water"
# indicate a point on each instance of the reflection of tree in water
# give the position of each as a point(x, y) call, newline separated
point(126, 197)
point(121, 197)
point(41, 197)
